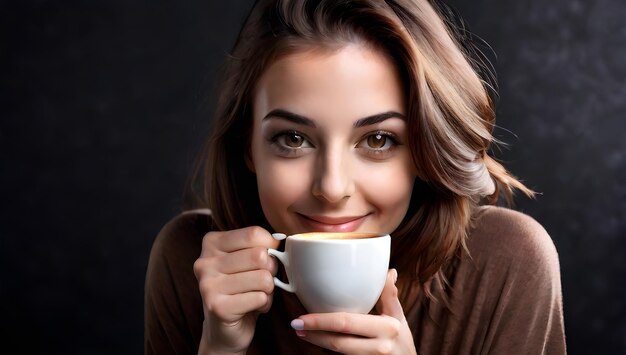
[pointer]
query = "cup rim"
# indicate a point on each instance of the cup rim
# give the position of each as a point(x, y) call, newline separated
point(299, 237)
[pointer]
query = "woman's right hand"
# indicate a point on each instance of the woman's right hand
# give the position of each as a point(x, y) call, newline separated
point(235, 276)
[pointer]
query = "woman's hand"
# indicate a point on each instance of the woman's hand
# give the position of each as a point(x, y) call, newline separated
point(235, 276)
point(348, 333)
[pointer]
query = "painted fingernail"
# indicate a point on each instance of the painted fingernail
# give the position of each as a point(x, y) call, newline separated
point(300, 333)
point(297, 324)
point(279, 236)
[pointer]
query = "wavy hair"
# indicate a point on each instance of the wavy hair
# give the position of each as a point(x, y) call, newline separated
point(450, 119)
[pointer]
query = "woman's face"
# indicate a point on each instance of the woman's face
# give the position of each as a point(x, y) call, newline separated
point(329, 143)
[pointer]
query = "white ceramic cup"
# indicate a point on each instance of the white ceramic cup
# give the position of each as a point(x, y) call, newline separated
point(335, 272)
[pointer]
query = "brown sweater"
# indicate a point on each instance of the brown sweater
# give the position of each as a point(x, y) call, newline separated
point(505, 297)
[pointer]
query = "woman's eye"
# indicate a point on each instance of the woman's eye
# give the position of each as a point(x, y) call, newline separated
point(377, 141)
point(293, 140)
point(290, 143)
point(378, 145)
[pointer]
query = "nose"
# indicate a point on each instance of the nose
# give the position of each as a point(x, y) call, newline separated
point(333, 176)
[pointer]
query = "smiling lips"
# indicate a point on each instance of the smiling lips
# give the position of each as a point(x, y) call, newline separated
point(332, 224)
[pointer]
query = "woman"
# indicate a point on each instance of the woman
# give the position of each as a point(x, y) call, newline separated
point(354, 116)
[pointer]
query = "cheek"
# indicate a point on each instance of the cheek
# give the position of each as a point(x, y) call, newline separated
point(275, 185)
point(281, 183)
point(389, 190)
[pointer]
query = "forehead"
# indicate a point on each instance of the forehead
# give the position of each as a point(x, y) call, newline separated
point(354, 80)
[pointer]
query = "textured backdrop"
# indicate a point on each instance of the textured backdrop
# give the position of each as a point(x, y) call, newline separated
point(103, 107)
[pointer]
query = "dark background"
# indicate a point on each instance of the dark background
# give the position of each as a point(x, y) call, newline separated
point(104, 105)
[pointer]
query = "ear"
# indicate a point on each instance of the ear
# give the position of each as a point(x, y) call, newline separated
point(248, 159)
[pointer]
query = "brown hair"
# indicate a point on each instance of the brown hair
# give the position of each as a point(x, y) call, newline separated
point(450, 118)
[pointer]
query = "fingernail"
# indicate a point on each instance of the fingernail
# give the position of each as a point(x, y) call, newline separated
point(395, 276)
point(279, 236)
point(297, 324)
point(300, 333)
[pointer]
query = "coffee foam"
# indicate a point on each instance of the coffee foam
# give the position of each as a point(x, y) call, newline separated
point(338, 235)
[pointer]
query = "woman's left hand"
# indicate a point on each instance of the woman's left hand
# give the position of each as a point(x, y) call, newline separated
point(349, 333)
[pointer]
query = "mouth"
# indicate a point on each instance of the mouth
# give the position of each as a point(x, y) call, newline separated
point(320, 223)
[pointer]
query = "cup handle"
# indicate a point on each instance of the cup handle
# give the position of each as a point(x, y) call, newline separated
point(282, 257)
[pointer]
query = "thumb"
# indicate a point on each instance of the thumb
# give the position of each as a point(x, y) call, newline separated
point(388, 303)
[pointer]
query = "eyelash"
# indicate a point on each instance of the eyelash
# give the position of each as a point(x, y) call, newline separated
point(282, 149)
point(375, 153)
point(380, 153)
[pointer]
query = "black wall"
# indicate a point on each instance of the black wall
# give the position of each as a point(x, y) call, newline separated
point(105, 104)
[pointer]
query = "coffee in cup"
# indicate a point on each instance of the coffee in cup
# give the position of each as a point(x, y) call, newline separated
point(335, 272)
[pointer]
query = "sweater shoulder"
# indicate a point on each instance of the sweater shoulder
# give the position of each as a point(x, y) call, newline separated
point(508, 236)
point(182, 234)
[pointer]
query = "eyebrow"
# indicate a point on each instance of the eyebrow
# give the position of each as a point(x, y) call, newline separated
point(290, 116)
point(299, 119)
point(377, 118)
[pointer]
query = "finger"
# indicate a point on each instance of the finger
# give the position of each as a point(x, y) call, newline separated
point(238, 239)
point(247, 260)
point(364, 325)
point(249, 281)
point(388, 303)
point(232, 308)
point(266, 307)
point(346, 344)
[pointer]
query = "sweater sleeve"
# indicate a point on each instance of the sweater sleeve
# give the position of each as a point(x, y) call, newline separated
point(527, 312)
point(173, 306)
